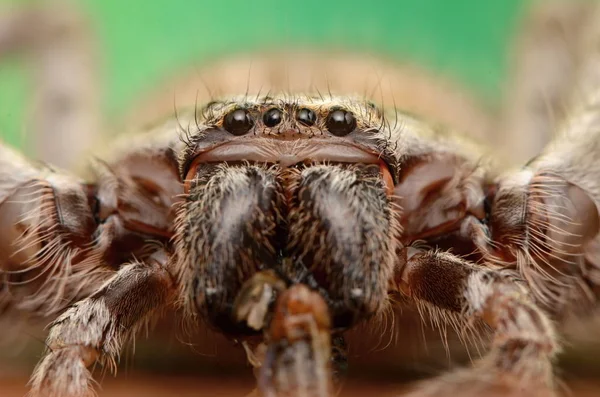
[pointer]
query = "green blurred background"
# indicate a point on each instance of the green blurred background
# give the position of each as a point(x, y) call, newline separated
point(143, 41)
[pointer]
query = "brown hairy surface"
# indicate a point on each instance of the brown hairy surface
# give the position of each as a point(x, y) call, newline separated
point(393, 214)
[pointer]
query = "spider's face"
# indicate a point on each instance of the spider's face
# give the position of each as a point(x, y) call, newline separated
point(296, 185)
point(287, 131)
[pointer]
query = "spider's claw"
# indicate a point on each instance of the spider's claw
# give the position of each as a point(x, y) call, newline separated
point(254, 302)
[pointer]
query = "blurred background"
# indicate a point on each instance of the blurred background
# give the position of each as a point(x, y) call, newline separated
point(138, 43)
point(132, 46)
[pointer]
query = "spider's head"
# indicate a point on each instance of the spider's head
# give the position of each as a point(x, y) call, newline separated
point(298, 185)
point(286, 131)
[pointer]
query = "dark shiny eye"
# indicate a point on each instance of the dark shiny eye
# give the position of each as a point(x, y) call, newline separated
point(306, 116)
point(340, 122)
point(272, 117)
point(238, 122)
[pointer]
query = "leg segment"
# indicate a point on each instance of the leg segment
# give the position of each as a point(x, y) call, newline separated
point(297, 361)
point(62, 57)
point(298, 356)
point(523, 345)
point(545, 217)
point(61, 237)
point(46, 226)
point(547, 59)
point(97, 327)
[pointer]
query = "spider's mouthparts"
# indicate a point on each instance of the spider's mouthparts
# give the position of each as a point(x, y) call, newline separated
point(341, 232)
point(329, 226)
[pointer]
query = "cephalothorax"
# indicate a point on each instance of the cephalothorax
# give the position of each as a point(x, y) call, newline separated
point(296, 216)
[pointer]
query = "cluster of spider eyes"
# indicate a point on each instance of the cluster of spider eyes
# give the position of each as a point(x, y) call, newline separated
point(339, 122)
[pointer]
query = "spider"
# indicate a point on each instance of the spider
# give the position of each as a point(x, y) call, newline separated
point(285, 216)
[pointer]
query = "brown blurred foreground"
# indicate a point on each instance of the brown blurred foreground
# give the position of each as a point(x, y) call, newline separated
point(169, 365)
point(159, 386)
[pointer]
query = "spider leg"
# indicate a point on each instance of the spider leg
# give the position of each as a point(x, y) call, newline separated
point(61, 54)
point(523, 343)
point(297, 360)
point(46, 227)
point(546, 60)
point(62, 236)
point(545, 217)
point(298, 355)
point(97, 327)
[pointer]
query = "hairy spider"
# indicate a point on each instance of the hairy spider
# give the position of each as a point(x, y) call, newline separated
point(284, 219)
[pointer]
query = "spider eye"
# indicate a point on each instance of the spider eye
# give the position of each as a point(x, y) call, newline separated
point(306, 117)
point(238, 122)
point(272, 117)
point(340, 122)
